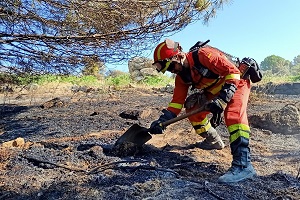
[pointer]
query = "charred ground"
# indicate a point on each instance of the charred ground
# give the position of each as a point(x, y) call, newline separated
point(64, 150)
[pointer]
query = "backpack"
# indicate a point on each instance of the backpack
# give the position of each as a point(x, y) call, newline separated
point(204, 71)
point(252, 71)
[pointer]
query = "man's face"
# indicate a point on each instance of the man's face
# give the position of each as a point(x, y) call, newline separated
point(174, 65)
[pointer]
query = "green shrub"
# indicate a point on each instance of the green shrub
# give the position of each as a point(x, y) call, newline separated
point(119, 81)
point(47, 78)
point(277, 79)
point(156, 81)
point(296, 78)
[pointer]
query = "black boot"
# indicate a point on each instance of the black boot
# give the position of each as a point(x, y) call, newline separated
point(241, 168)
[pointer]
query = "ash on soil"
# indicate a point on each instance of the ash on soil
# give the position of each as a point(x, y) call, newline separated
point(66, 154)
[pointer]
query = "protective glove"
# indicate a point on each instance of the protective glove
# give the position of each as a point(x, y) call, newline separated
point(156, 127)
point(216, 107)
point(218, 104)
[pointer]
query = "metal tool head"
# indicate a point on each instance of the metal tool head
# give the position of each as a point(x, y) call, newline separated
point(135, 134)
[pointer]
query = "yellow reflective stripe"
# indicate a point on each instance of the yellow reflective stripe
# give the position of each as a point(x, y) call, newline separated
point(238, 134)
point(204, 126)
point(238, 130)
point(216, 89)
point(233, 76)
point(236, 127)
point(176, 105)
point(203, 129)
point(166, 67)
point(209, 82)
point(158, 51)
point(203, 122)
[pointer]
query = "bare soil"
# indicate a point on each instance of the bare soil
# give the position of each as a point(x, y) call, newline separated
point(68, 141)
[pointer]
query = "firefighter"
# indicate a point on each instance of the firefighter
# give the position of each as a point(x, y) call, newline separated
point(222, 91)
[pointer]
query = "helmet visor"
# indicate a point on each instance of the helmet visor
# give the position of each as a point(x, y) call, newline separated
point(164, 65)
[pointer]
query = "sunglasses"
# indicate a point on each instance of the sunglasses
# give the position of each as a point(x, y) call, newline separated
point(166, 65)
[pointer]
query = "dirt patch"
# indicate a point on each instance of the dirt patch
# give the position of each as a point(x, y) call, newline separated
point(285, 120)
point(67, 151)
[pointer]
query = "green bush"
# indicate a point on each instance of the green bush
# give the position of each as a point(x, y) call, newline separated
point(47, 78)
point(295, 78)
point(120, 80)
point(156, 81)
point(117, 80)
point(277, 79)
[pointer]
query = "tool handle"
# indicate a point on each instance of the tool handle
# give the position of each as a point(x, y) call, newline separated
point(176, 119)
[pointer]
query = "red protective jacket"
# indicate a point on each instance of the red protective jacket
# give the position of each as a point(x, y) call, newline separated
point(217, 62)
point(213, 60)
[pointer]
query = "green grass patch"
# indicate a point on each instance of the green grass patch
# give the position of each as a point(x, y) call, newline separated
point(295, 78)
point(119, 81)
point(157, 81)
point(279, 79)
point(49, 78)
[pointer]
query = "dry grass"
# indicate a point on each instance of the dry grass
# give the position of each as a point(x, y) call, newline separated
point(257, 97)
point(5, 155)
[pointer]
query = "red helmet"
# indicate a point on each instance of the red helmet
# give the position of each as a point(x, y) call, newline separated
point(166, 50)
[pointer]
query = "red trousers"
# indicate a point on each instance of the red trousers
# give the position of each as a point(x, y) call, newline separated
point(235, 114)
